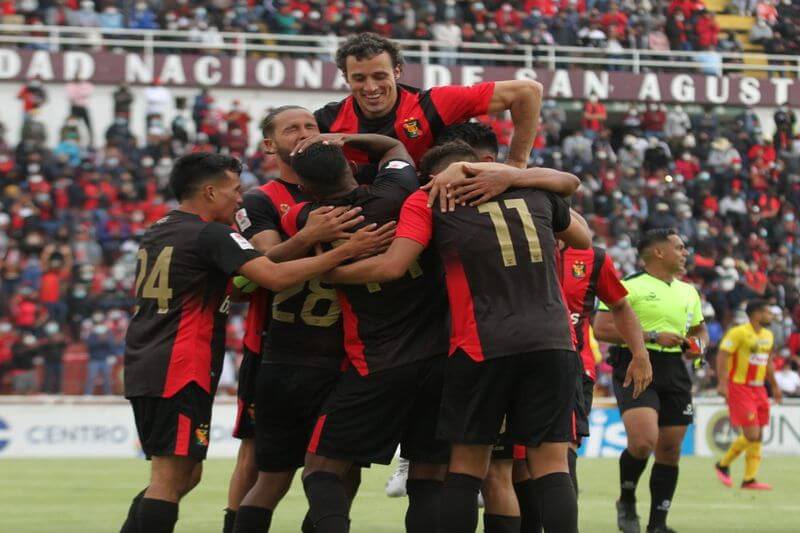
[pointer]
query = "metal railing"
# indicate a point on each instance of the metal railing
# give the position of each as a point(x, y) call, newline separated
point(150, 42)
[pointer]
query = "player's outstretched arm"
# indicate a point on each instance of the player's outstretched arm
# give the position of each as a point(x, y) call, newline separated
point(280, 276)
point(524, 99)
point(577, 235)
point(477, 183)
point(640, 371)
point(388, 266)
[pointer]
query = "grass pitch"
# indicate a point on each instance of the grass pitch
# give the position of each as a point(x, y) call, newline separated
point(92, 496)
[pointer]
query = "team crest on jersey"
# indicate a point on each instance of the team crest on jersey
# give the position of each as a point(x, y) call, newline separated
point(411, 125)
point(284, 208)
point(201, 435)
point(578, 270)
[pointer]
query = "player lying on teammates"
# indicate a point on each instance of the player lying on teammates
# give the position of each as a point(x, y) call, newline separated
point(509, 335)
point(744, 362)
point(372, 66)
point(175, 342)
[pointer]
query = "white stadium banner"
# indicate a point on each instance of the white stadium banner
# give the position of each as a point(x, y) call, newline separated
point(77, 427)
point(42, 426)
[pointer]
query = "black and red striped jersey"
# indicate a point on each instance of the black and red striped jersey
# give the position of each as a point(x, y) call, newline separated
point(389, 324)
point(177, 334)
point(416, 119)
point(500, 266)
point(586, 275)
point(300, 325)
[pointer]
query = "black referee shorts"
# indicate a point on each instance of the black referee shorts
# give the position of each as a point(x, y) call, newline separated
point(532, 395)
point(288, 401)
point(367, 416)
point(245, 425)
point(176, 426)
point(670, 393)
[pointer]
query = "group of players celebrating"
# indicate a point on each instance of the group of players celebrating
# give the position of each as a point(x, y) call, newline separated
point(450, 319)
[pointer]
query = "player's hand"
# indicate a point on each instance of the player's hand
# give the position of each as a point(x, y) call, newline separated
point(328, 224)
point(722, 387)
point(670, 340)
point(371, 240)
point(336, 139)
point(481, 185)
point(640, 373)
point(441, 185)
point(777, 395)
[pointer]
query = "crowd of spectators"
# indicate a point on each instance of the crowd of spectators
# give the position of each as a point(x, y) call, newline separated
point(612, 24)
point(71, 215)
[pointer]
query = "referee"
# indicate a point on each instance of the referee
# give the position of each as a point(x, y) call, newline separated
point(670, 313)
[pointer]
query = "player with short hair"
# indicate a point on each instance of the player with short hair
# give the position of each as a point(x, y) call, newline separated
point(175, 342)
point(300, 329)
point(670, 313)
point(744, 362)
point(499, 258)
point(395, 338)
point(372, 66)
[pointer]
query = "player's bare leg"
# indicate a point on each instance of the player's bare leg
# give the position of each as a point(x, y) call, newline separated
point(664, 477)
point(243, 478)
point(171, 478)
point(555, 494)
point(469, 465)
point(255, 512)
point(502, 512)
point(641, 425)
point(325, 490)
point(424, 487)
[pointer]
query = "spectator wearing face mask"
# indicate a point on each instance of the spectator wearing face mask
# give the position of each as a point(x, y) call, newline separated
point(79, 94)
point(23, 353)
point(52, 348)
point(101, 346)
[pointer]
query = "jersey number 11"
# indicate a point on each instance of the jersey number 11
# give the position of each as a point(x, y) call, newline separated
point(495, 212)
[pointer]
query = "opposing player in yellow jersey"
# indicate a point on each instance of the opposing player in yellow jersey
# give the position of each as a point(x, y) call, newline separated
point(743, 362)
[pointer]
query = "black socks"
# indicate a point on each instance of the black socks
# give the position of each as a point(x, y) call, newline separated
point(251, 519)
point(460, 503)
point(131, 524)
point(528, 506)
point(495, 523)
point(630, 470)
point(663, 480)
point(572, 460)
point(557, 503)
point(424, 505)
point(328, 503)
point(157, 516)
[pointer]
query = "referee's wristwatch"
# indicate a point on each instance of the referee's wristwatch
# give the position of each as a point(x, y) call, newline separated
point(651, 337)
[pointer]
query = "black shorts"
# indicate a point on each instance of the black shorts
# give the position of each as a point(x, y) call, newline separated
point(176, 426)
point(670, 393)
point(531, 394)
point(367, 416)
point(245, 425)
point(288, 402)
point(584, 395)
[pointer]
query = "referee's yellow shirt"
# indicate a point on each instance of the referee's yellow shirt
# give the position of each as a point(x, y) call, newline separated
point(664, 307)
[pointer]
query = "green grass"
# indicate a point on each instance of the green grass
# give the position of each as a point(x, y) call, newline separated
point(87, 496)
